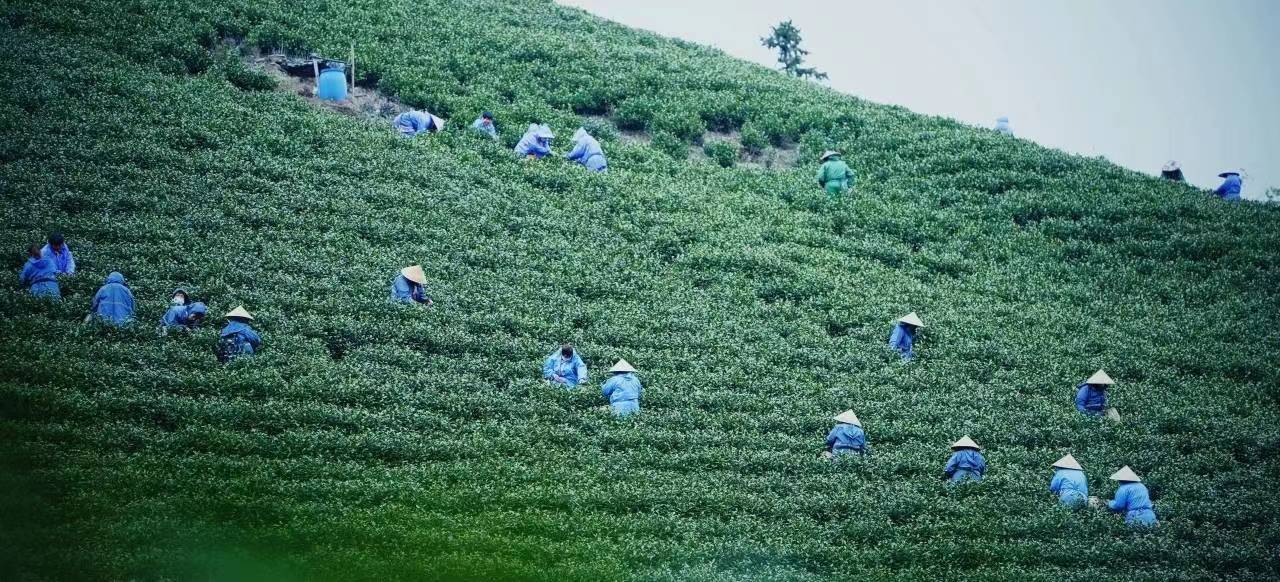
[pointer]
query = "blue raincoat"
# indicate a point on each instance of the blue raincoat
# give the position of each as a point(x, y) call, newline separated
point(1134, 500)
point(402, 289)
point(535, 142)
point(623, 392)
point(901, 338)
point(41, 276)
point(181, 315)
point(586, 151)
point(965, 464)
point(241, 337)
point(1071, 486)
point(847, 439)
point(571, 371)
point(1091, 399)
point(62, 261)
point(114, 301)
point(485, 128)
point(1230, 188)
point(411, 123)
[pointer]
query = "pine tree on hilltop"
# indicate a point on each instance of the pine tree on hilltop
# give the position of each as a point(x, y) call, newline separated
point(786, 38)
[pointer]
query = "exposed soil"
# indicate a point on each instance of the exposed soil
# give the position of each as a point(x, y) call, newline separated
point(296, 75)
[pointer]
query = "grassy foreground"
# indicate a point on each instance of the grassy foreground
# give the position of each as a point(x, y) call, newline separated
point(374, 441)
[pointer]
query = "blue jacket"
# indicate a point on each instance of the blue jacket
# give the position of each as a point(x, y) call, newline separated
point(485, 128)
point(1091, 399)
point(1134, 500)
point(64, 262)
point(180, 315)
point(245, 340)
point(586, 151)
point(412, 123)
point(901, 339)
point(402, 289)
point(114, 301)
point(1230, 188)
point(571, 370)
point(846, 437)
point(41, 276)
point(530, 143)
point(965, 464)
point(1071, 486)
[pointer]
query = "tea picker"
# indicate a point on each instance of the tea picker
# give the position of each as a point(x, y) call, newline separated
point(409, 286)
point(238, 338)
point(58, 252)
point(966, 463)
point(623, 389)
point(587, 151)
point(847, 438)
point(1069, 482)
point(1231, 186)
point(835, 176)
point(1132, 499)
point(412, 123)
point(484, 125)
point(1172, 172)
point(565, 367)
point(1002, 126)
point(182, 316)
point(536, 142)
point(1091, 396)
point(113, 303)
point(39, 274)
point(904, 333)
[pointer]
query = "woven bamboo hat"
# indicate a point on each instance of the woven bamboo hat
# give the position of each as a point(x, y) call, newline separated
point(621, 367)
point(1126, 474)
point(239, 312)
point(965, 443)
point(1101, 378)
point(414, 274)
point(1068, 462)
point(848, 417)
point(912, 319)
point(828, 154)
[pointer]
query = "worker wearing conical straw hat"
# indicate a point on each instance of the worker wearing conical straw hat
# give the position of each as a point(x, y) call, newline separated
point(409, 286)
point(1172, 172)
point(238, 338)
point(1069, 482)
point(835, 176)
point(966, 463)
point(1232, 185)
point(847, 438)
point(1132, 499)
point(623, 389)
point(565, 367)
point(1091, 395)
point(904, 334)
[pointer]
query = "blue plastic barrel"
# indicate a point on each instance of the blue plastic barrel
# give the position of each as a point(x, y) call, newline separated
point(332, 84)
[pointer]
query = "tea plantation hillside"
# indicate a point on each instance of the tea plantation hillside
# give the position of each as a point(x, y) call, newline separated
point(372, 441)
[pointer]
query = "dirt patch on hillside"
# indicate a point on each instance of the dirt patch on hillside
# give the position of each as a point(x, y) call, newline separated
point(296, 75)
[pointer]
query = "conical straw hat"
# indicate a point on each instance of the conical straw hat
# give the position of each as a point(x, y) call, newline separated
point(1126, 474)
point(414, 274)
point(1100, 378)
point(239, 312)
point(912, 319)
point(848, 417)
point(439, 123)
point(828, 154)
point(1171, 166)
point(622, 366)
point(1068, 462)
point(965, 443)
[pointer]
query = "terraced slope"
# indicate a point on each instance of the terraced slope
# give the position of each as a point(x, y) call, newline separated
point(373, 441)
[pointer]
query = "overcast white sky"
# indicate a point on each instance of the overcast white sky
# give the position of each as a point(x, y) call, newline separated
point(1137, 81)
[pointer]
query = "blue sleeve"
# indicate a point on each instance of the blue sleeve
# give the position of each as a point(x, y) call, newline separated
point(981, 461)
point(548, 368)
point(537, 148)
point(831, 438)
point(128, 301)
point(1056, 484)
point(252, 337)
point(950, 469)
point(895, 338)
point(97, 300)
point(24, 278)
point(607, 389)
point(579, 150)
point(1221, 189)
point(1082, 396)
point(1121, 502)
point(581, 369)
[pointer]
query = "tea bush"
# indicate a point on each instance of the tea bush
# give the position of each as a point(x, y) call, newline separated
point(376, 441)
